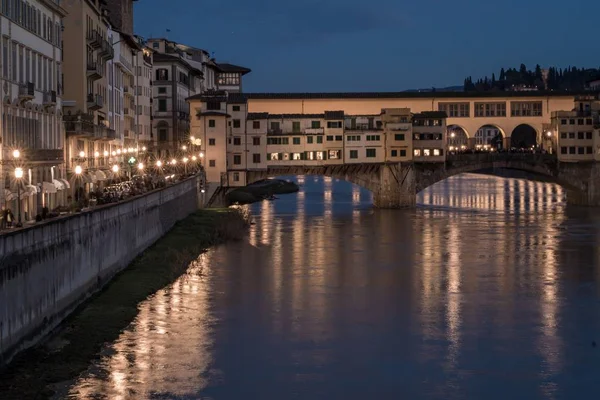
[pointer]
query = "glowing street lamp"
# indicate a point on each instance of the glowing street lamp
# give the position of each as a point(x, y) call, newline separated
point(19, 176)
point(173, 161)
point(141, 166)
point(16, 154)
point(185, 161)
point(184, 147)
point(159, 164)
point(115, 169)
point(82, 154)
point(194, 158)
point(105, 153)
point(201, 154)
point(96, 154)
point(78, 170)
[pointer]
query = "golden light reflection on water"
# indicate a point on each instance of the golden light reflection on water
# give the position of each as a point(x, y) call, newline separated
point(469, 283)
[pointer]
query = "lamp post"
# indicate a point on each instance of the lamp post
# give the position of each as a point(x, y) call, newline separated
point(185, 161)
point(19, 176)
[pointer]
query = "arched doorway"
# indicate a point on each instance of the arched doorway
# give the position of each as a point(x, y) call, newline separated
point(489, 137)
point(523, 137)
point(458, 140)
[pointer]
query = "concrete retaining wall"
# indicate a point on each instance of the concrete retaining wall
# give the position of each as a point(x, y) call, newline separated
point(48, 270)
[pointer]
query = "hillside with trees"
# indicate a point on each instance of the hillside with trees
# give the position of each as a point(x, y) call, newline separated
point(571, 78)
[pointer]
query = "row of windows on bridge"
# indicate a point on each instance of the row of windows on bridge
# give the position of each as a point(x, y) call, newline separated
point(494, 109)
point(337, 154)
point(576, 150)
point(580, 135)
point(580, 121)
point(237, 141)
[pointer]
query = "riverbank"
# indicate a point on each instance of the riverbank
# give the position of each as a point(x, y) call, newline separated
point(69, 351)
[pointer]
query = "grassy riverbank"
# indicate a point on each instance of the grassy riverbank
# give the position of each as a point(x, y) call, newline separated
point(101, 319)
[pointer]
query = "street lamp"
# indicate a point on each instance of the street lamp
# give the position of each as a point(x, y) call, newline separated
point(16, 153)
point(173, 161)
point(78, 170)
point(105, 153)
point(141, 167)
point(159, 163)
point(185, 161)
point(184, 147)
point(81, 154)
point(115, 168)
point(19, 176)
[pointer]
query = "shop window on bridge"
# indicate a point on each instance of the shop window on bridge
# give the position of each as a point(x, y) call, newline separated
point(320, 155)
point(526, 109)
point(495, 109)
point(456, 110)
point(438, 152)
point(371, 153)
point(417, 152)
point(286, 156)
point(426, 152)
point(334, 154)
point(297, 156)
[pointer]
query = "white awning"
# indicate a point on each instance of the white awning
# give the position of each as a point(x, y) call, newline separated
point(33, 189)
point(100, 175)
point(59, 185)
point(9, 196)
point(65, 182)
point(48, 187)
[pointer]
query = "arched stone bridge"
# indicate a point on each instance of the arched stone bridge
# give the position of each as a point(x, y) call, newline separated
point(395, 185)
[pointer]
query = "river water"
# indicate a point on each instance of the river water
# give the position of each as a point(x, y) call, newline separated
point(489, 289)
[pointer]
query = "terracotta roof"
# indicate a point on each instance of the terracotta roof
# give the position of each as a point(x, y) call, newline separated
point(162, 57)
point(212, 114)
point(224, 67)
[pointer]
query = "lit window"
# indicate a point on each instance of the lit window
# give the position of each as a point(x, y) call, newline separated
point(417, 152)
point(310, 155)
point(426, 152)
point(296, 156)
point(319, 155)
point(286, 156)
point(436, 152)
point(274, 156)
point(333, 154)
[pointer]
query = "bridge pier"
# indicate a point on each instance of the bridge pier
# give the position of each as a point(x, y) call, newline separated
point(589, 177)
point(396, 187)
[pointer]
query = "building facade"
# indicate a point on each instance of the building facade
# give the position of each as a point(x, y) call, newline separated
point(32, 137)
point(575, 135)
point(91, 122)
point(143, 97)
point(235, 141)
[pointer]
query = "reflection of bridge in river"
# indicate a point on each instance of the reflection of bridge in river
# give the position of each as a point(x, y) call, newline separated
point(395, 185)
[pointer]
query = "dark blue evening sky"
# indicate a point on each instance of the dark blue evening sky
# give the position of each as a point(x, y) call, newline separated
point(377, 45)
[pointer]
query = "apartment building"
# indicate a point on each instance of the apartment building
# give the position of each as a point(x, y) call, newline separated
point(31, 141)
point(143, 95)
point(429, 136)
point(364, 139)
point(123, 91)
point(575, 135)
point(397, 125)
point(89, 95)
point(175, 79)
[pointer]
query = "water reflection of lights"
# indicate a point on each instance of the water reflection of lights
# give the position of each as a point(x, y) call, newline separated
point(169, 350)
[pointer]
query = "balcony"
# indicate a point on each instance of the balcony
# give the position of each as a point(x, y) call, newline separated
point(94, 102)
point(26, 91)
point(83, 126)
point(363, 128)
point(94, 70)
point(277, 131)
point(94, 40)
point(50, 98)
point(106, 50)
point(314, 131)
point(126, 111)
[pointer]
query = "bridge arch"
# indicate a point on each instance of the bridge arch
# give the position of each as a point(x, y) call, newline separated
point(458, 137)
point(363, 175)
point(524, 136)
point(490, 136)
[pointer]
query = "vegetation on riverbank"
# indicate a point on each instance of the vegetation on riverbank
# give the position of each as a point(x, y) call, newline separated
point(100, 320)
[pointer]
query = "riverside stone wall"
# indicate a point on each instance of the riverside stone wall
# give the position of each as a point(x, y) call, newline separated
point(47, 270)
